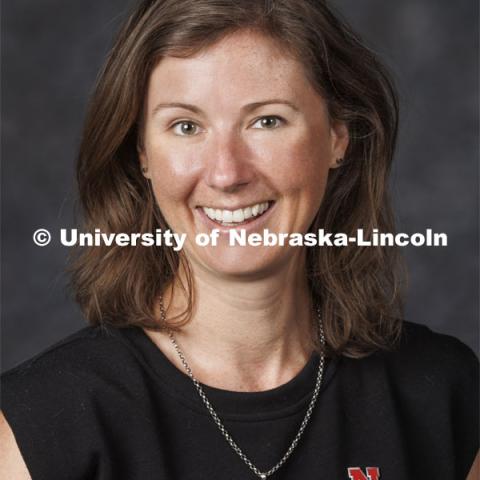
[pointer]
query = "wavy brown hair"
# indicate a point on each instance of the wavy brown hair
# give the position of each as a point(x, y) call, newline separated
point(358, 288)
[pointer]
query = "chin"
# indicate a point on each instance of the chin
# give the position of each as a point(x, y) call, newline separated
point(245, 261)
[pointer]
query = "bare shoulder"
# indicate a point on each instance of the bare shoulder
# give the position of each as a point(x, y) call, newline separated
point(475, 470)
point(12, 464)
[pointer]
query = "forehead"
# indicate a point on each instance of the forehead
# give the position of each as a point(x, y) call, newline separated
point(241, 65)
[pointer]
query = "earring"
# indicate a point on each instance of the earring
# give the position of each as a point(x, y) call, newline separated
point(144, 169)
point(339, 161)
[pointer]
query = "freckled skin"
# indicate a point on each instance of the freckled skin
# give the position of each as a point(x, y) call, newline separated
point(230, 159)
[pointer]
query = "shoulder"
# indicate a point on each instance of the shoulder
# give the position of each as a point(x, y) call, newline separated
point(423, 368)
point(415, 336)
point(428, 386)
point(423, 351)
point(12, 464)
point(59, 372)
point(69, 356)
point(67, 372)
point(57, 392)
point(434, 377)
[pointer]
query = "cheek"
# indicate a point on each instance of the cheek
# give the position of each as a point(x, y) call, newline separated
point(173, 174)
point(302, 165)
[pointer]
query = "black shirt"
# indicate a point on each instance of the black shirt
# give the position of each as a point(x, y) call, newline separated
point(107, 404)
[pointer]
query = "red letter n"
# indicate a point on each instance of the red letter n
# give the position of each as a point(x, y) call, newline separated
point(356, 473)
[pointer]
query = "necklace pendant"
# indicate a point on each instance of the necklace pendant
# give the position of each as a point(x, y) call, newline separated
point(263, 476)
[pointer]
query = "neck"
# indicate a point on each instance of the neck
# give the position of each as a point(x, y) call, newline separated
point(244, 335)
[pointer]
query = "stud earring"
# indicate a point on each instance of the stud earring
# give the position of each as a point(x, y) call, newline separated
point(339, 161)
point(144, 169)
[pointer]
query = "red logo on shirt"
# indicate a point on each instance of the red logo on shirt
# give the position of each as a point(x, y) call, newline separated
point(356, 473)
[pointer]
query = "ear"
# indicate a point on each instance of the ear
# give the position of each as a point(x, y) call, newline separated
point(142, 156)
point(339, 142)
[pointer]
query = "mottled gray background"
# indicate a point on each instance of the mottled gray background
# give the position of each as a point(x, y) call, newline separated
point(51, 52)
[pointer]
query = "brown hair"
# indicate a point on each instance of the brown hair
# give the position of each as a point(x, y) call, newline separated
point(358, 288)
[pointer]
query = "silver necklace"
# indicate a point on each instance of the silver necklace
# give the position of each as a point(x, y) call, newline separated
point(219, 423)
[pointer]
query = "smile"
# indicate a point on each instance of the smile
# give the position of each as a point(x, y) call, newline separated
point(235, 217)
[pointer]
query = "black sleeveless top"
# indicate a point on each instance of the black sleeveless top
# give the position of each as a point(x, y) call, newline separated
point(106, 404)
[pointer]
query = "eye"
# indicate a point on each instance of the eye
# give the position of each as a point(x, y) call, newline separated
point(185, 128)
point(269, 122)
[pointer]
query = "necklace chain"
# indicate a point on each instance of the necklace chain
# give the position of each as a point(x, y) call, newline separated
point(221, 426)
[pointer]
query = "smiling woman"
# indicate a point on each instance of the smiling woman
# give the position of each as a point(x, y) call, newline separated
point(240, 361)
point(215, 150)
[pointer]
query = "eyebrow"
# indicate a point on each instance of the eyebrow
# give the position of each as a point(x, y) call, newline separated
point(247, 108)
point(253, 106)
point(185, 106)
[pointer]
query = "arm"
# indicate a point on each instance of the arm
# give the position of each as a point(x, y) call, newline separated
point(12, 464)
point(475, 470)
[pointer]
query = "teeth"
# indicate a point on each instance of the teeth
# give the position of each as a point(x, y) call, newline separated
point(238, 216)
point(235, 216)
point(227, 216)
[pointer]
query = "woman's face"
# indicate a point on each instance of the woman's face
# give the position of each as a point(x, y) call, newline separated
point(236, 137)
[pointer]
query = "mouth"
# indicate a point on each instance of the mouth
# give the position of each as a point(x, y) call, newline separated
point(239, 216)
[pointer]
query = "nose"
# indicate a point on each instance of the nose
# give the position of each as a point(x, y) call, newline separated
point(228, 167)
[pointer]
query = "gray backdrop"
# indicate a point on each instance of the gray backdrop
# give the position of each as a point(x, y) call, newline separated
point(51, 52)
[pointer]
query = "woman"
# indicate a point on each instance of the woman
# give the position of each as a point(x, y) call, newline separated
point(239, 362)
